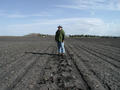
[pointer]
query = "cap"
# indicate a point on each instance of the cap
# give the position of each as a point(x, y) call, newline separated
point(60, 26)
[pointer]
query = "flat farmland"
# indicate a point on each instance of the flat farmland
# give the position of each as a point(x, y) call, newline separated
point(32, 63)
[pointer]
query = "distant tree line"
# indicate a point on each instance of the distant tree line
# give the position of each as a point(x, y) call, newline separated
point(92, 36)
point(37, 34)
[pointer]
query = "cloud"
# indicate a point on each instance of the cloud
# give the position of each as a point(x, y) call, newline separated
point(19, 15)
point(93, 4)
point(26, 16)
point(92, 26)
point(2, 13)
point(65, 21)
point(16, 16)
point(118, 5)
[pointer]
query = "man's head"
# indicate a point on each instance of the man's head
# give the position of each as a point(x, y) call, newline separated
point(59, 27)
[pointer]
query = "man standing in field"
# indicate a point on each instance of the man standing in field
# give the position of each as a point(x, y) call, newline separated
point(59, 38)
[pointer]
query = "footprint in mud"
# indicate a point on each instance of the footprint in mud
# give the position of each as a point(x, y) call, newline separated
point(48, 67)
point(43, 81)
point(59, 73)
point(46, 80)
point(62, 69)
point(59, 81)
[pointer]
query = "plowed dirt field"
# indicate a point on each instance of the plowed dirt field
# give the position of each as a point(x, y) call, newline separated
point(32, 63)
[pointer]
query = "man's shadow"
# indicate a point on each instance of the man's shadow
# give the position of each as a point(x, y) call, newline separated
point(41, 53)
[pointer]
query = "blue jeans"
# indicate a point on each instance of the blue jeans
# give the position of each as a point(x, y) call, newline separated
point(61, 48)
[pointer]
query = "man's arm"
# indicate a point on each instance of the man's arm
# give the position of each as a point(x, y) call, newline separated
point(56, 36)
point(63, 36)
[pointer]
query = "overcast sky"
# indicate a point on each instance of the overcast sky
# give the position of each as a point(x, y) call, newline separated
point(94, 17)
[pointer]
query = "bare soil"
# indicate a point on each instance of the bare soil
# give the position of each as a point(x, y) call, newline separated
point(32, 63)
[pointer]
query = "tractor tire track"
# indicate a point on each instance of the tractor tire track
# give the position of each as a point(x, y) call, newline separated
point(15, 73)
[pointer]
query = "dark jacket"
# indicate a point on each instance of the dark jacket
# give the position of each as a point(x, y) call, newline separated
point(60, 35)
